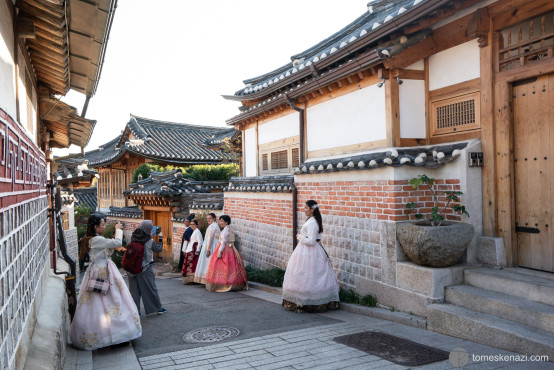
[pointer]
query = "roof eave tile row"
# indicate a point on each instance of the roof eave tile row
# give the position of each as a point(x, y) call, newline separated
point(261, 184)
point(125, 212)
point(430, 157)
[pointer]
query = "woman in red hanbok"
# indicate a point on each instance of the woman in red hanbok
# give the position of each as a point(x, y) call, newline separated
point(226, 269)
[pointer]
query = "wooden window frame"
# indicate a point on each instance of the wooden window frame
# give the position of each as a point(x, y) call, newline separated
point(441, 102)
point(267, 149)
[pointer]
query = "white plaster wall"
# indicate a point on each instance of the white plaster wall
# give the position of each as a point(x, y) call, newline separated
point(419, 65)
point(250, 153)
point(358, 117)
point(280, 128)
point(455, 65)
point(7, 68)
point(412, 109)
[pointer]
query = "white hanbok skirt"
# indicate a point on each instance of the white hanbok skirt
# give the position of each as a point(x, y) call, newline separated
point(204, 261)
point(310, 280)
point(104, 320)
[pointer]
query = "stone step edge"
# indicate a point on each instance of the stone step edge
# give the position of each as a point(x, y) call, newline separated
point(500, 298)
point(491, 322)
point(375, 312)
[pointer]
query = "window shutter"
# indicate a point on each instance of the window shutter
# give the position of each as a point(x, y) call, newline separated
point(265, 164)
point(295, 152)
point(279, 160)
point(456, 114)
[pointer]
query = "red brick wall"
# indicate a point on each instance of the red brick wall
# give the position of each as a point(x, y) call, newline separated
point(267, 211)
point(22, 165)
point(376, 199)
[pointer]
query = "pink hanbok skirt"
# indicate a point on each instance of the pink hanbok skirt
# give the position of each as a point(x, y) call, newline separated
point(226, 273)
point(104, 320)
point(310, 282)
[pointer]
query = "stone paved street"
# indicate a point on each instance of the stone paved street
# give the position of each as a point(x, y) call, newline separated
point(270, 337)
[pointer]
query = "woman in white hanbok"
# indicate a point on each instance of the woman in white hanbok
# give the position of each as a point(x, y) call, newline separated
point(210, 243)
point(192, 253)
point(310, 283)
point(104, 320)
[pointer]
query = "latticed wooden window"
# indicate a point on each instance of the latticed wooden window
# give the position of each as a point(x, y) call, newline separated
point(279, 160)
point(295, 154)
point(456, 114)
point(265, 165)
point(526, 42)
point(30, 108)
point(65, 218)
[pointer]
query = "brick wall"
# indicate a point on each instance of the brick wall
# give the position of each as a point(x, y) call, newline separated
point(24, 246)
point(376, 199)
point(263, 227)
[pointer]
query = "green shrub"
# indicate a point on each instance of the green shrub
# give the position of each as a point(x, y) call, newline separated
point(350, 296)
point(200, 172)
point(273, 277)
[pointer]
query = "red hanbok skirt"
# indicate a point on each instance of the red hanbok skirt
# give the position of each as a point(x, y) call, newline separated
point(189, 264)
point(226, 273)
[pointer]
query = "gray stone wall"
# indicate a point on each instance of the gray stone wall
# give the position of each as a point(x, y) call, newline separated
point(71, 242)
point(262, 245)
point(24, 246)
point(354, 246)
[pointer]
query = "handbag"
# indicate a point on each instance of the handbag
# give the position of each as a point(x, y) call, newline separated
point(98, 285)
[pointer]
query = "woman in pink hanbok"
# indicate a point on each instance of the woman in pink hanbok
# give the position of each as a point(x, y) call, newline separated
point(104, 320)
point(226, 269)
point(310, 283)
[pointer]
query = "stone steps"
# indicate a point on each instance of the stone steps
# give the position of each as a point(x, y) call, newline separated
point(489, 330)
point(504, 306)
point(531, 285)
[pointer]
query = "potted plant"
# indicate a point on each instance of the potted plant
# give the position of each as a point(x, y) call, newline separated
point(433, 241)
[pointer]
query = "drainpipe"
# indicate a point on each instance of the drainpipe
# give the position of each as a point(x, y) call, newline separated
point(290, 102)
point(294, 217)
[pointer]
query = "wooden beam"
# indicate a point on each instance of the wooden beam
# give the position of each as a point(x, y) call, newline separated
point(392, 104)
point(488, 139)
point(510, 12)
point(361, 75)
point(504, 173)
point(427, 101)
point(25, 28)
point(479, 26)
point(409, 74)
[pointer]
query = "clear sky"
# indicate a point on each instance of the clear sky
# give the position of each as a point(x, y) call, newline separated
point(173, 59)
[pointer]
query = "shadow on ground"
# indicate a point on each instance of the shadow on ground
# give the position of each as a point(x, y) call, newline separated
point(191, 307)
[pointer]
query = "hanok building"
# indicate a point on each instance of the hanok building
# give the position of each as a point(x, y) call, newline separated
point(46, 49)
point(164, 143)
point(412, 87)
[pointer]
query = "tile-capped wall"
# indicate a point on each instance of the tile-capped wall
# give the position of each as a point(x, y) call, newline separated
point(24, 246)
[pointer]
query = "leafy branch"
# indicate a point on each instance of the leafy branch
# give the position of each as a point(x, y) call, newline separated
point(436, 217)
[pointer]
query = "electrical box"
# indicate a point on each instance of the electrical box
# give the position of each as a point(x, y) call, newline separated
point(475, 159)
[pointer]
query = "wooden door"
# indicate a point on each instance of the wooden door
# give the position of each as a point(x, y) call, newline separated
point(162, 219)
point(533, 103)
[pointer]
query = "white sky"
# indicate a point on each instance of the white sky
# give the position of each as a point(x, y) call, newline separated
point(173, 59)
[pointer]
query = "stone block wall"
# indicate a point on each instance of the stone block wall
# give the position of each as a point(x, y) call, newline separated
point(24, 246)
point(72, 243)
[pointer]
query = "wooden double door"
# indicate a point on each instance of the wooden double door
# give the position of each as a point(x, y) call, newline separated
point(163, 219)
point(533, 109)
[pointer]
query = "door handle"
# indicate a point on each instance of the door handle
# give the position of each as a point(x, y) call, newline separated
point(530, 230)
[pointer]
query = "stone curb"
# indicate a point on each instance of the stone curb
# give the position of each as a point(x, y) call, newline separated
point(379, 313)
point(169, 274)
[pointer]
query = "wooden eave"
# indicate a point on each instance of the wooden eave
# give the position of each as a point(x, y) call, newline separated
point(68, 41)
point(63, 122)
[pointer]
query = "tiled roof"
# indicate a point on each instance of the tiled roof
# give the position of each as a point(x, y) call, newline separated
point(68, 173)
point(268, 184)
point(429, 156)
point(162, 141)
point(67, 196)
point(166, 184)
point(207, 201)
point(218, 139)
point(380, 14)
point(88, 196)
point(125, 212)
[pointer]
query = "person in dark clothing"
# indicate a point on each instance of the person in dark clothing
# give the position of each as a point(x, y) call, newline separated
point(185, 239)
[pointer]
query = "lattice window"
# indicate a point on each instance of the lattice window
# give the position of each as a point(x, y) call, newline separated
point(279, 160)
point(30, 108)
point(527, 41)
point(295, 154)
point(456, 114)
point(65, 219)
point(265, 165)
